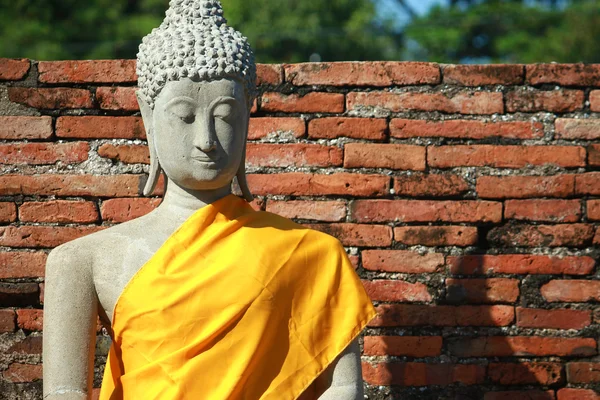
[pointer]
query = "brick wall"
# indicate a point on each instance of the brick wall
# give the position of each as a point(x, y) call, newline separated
point(467, 196)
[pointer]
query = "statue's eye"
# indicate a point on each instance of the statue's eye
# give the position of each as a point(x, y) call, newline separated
point(224, 111)
point(188, 119)
point(183, 109)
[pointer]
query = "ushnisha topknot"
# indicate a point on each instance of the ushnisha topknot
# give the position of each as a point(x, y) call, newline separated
point(194, 41)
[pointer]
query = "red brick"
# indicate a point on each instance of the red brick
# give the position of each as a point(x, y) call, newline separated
point(30, 345)
point(389, 315)
point(397, 291)
point(575, 291)
point(7, 321)
point(357, 234)
point(402, 261)
point(13, 69)
point(328, 211)
point(538, 373)
point(22, 373)
point(577, 394)
point(520, 264)
point(314, 102)
point(558, 101)
point(61, 211)
point(30, 319)
point(8, 212)
point(465, 129)
point(506, 346)
point(588, 184)
point(293, 155)
point(595, 100)
point(426, 211)
point(391, 156)
point(355, 128)
point(269, 74)
point(19, 128)
point(436, 235)
point(553, 319)
point(480, 75)
point(521, 395)
point(422, 374)
point(97, 71)
point(44, 153)
point(430, 185)
point(363, 73)
point(42, 236)
point(596, 240)
point(593, 210)
point(411, 346)
point(18, 294)
point(564, 74)
point(299, 184)
point(122, 210)
point(100, 127)
point(583, 372)
point(505, 156)
point(594, 155)
point(263, 127)
point(125, 153)
point(51, 98)
point(522, 187)
point(117, 98)
point(543, 210)
point(70, 185)
point(493, 290)
point(570, 235)
point(461, 103)
point(19, 264)
point(581, 129)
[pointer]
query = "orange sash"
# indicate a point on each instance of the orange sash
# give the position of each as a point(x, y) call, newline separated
point(236, 304)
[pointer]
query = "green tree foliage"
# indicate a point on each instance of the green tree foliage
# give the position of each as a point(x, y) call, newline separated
point(513, 31)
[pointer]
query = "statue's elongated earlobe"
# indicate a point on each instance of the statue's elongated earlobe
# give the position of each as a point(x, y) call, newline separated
point(241, 178)
point(155, 168)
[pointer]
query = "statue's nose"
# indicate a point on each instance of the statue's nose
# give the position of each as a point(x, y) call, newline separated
point(205, 136)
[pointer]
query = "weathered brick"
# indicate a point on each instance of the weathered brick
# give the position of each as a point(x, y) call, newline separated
point(269, 74)
point(363, 73)
point(594, 155)
point(522, 187)
point(553, 319)
point(518, 394)
point(263, 127)
point(461, 103)
point(355, 128)
point(42, 236)
point(299, 184)
point(577, 129)
point(122, 210)
point(538, 373)
point(293, 155)
point(12, 69)
point(18, 294)
point(21, 373)
point(8, 212)
point(480, 75)
point(70, 185)
point(411, 346)
point(392, 156)
point(51, 98)
point(61, 211)
point(570, 235)
point(314, 102)
point(397, 291)
point(44, 153)
point(389, 315)
point(125, 153)
point(465, 129)
point(507, 346)
point(583, 372)
point(558, 101)
point(595, 100)
point(430, 185)
point(7, 321)
point(30, 345)
point(426, 211)
point(402, 261)
point(593, 210)
point(327, 211)
point(422, 374)
point(436, 235)
point(493, 290)
point(117, 98)
point(596, 240)
point(588, 184)
point(357, 234)
point(563, 74)
point(20, 128)
point(577, 394)
point(30, 319)
point(505, 156)
point(543, 210)
point(97, 71)
point(92, 127)
point(20, 264)
point(575, 291)
point(520, 264)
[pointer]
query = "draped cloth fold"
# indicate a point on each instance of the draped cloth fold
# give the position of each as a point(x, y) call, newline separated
point(236, 304)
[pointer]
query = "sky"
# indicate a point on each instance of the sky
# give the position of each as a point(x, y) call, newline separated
point(391, 7)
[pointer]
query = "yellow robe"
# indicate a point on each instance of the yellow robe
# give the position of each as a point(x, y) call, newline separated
point(237, 304)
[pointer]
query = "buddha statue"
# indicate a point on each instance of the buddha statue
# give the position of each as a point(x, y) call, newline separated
point(205, 297)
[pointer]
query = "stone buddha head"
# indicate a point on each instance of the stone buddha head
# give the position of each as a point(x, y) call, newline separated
point(196, 87)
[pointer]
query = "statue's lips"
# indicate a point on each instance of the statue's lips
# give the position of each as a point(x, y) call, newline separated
point(207, 161)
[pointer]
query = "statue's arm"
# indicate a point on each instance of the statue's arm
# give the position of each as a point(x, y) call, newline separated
point(70, 310)
point(342, 380)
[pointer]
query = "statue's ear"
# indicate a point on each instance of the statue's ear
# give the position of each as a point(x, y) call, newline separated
point(155, 169)
point(241, 173)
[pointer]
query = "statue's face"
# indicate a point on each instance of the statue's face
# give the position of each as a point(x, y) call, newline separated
point(200, 131)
